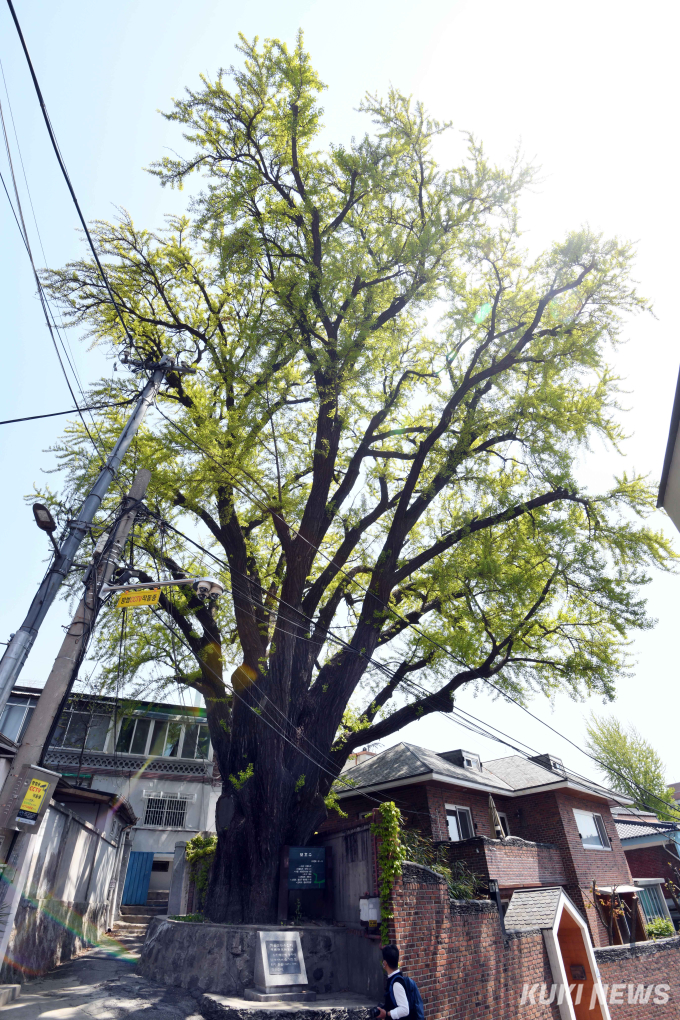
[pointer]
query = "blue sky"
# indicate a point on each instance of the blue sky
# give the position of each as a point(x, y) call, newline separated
point(588, 90)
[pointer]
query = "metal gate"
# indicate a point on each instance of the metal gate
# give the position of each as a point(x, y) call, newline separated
point(136, 886)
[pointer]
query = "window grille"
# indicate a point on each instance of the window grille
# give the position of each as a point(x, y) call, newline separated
point(170, 813)
point(653, 903)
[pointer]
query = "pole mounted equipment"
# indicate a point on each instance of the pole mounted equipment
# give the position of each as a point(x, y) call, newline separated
point(20, 645)
point(205, 587)
point(46, 522)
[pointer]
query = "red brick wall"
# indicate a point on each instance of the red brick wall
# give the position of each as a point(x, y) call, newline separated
point(651, 862)
point(467, 970)
point(549, 818)
point(439, 795)
point(540, 817)
point(623, 970)
point(457, 955)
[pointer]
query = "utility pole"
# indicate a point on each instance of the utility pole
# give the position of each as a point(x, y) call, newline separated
point(21, 643)
point(70, 654)
point(16, 847)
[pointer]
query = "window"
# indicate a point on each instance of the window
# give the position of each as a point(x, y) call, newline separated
point(133, 736)
point(163, 739)
point(459, 821)
point(166, 811)
point(504, 822)
point(160, 865)
point(196, 741)
point(591, 830)
point(16, 716)
point(81, 729)
point(653, 903)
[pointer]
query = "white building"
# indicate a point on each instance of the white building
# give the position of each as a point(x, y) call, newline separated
point(157, 757)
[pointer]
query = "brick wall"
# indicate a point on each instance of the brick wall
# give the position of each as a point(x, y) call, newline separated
point(549, 817)
point(439, 795)
point(649, 964)
point(651, 862)
point(514, 862)
point(456, 953)
point(467, 970)
point(538, 818)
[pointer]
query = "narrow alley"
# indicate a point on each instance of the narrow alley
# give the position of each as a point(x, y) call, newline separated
point(101, 984)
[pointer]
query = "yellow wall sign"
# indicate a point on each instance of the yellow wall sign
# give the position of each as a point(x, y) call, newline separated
point(134, 599)
point(33, 798)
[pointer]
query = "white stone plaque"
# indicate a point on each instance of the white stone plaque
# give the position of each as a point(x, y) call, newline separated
point(280, 970)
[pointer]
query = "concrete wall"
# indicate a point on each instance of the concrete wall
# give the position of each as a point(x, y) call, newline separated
point(200, 814)
point(69, 895)
point(221, 958)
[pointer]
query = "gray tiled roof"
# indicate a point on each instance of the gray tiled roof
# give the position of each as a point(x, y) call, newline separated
point(532, 908)
point(520, 774)
point(633, 830)
point(405, 760)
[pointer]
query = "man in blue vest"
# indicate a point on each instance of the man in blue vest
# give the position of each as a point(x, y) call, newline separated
point(402, 998)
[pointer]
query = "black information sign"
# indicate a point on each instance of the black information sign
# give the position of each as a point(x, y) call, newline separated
point(307, 867)
point(282, 957)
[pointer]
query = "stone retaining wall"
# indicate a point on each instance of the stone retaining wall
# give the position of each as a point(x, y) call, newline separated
point(221, 957)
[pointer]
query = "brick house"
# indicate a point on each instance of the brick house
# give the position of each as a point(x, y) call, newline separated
point(558, 829)
point(652, 849)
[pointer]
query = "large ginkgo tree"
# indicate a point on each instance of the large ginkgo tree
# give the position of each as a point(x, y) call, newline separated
point(381, 443)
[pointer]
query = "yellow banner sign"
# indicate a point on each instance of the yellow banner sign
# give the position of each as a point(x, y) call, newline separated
point(134, 599)
point(33, 798)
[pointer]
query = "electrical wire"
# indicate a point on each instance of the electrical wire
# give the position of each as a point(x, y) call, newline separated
point(71, 410)
point(641, 789)
point(21, 224)
point(133, 345)
point(451, 714)
point(64, 171)
point(64, 342)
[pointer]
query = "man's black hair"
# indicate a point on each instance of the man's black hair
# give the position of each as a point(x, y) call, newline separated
point(391, 956)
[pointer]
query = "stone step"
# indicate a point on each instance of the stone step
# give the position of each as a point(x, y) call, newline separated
point(123, 926)
point(144, 908)
point(9, 993)
point(141, 918)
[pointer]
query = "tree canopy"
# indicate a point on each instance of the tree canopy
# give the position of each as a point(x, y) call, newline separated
point(631, 765)
point(383, 436)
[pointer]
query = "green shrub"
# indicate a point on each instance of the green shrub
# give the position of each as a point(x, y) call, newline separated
point(200, 854)
point(463, 884)
point(660, 928)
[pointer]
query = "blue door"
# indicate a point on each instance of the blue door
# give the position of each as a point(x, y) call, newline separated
point(136, 886)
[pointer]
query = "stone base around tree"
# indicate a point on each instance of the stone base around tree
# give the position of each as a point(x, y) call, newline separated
point(279, 995)
point(341, 1006)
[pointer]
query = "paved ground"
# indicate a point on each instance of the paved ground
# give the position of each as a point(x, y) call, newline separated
point(100, 985)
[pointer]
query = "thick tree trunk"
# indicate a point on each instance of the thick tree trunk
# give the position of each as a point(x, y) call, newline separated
point(269, 799)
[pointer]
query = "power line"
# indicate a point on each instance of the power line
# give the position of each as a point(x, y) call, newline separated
point(72, 410)
point(452, 714)
point(43, 299)
point(64, 171)
point(64, 342)
point(642, 790)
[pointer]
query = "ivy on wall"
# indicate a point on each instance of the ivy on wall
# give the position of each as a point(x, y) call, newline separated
point(200, 853)
point(391, 855)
